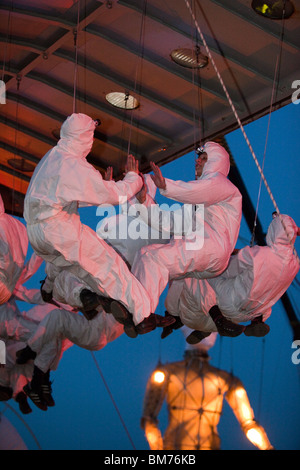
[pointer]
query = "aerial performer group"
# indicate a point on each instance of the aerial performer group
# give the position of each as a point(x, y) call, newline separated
point(116, 283)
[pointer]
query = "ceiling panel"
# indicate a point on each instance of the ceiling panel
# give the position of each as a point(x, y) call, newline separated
point(125, 45)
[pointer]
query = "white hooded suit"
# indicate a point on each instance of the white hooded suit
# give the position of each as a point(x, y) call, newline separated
point(155, 265)
point(254, 281)
point(62, 181)
point(13, 249)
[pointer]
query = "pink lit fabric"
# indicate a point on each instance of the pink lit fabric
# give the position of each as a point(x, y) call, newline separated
point(155, 265)
point(61, 182)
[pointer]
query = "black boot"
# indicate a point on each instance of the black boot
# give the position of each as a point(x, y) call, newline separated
point(224, 326)
point(153, 321)
point(25, 355)
point(121, 315)
point(47, 296)
point(167, 330)
point(196, 336)
point(21, 398)
point(257, 328)
point(90, 301)
point(47, 390)
point(34, 389)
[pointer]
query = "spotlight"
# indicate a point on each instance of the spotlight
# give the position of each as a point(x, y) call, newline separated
point(273, 9)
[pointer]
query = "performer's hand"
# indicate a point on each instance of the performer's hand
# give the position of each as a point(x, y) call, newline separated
point(108, 175)
point(141, 195)
point(132, 164)
point(157, 178)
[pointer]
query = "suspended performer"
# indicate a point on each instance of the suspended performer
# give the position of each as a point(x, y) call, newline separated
point(13, 250)
point(194, 391)
point(209, 235)
point(254, 281)
point(63, 181)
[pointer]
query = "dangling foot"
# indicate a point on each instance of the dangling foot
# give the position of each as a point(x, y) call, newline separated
point(153, 321)
point(224, 326)
point(90, 301)
point(167, 330)
point(47, 390)
point(196, 336)
point(34, 389)
point(257, 328)
point(47, 296)
point(25, 355)
point(121, 315)
point(21, 398)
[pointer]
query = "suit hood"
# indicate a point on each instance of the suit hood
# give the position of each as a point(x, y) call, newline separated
point(77, 135)
point(217, 160)
point(277, 235)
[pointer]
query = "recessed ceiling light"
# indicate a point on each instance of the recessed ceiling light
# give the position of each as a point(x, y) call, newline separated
point(191, 58)
point(273, 9)
point(20, 164)
point(122, 100)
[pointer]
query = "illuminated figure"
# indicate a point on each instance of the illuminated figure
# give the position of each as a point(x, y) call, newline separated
point(194, 391)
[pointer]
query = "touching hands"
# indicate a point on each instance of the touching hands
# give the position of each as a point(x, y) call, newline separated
point(132, 164)
point(108, 175)
point(157, 178)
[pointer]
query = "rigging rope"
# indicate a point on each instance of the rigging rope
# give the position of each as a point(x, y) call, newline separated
point(141, 46)
point(274, 92)
point(75, 32)
point(239, 122)
point(112, 399)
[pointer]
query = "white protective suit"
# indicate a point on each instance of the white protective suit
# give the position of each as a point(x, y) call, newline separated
point(13, 375)
point(95, 334)
point(62, 324)
point(205, 251)
point(127, 232)
point(20, 326)
point(13, 250)
point(62, 181)
point(254, 281)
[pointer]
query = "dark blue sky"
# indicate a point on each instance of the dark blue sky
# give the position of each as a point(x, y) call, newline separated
point(84, 416)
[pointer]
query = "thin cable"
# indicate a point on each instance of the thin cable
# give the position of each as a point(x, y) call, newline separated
point(275, 85)
point(113, 401)
point(25, 424)
point(76, 57)
point(141, 46)
point(240, 124)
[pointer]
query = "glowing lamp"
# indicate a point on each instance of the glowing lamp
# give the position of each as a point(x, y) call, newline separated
point(158, 377)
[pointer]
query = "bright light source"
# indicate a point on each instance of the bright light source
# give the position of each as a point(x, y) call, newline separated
point(158, 377)
point(273, 9)
point(255, 437)
point(122, 100)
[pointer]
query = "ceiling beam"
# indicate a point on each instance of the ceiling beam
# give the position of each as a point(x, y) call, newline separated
point(99, 69)
point(91, 16)
point(114, 143)
point(230, 54)
point(96, 104)
point(167, 65)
